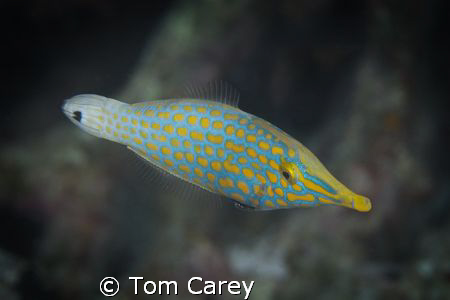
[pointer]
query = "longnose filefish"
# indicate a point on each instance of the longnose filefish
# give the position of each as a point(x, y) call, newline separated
point(206, 140)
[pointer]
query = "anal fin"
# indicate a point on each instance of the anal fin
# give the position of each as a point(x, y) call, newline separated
point(174, 185)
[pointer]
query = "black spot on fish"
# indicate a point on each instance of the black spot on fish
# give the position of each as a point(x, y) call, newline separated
point(77, 115)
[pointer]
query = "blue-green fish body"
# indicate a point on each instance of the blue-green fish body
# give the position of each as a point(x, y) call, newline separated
point(217, 147)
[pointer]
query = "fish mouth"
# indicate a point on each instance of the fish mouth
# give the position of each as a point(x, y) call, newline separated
point(357, 202)
point(361, 203)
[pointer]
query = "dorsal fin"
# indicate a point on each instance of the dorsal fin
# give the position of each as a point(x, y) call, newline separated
point(219, 91)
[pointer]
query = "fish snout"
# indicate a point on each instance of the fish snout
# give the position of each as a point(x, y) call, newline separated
point(359, 203)
point(354, 201)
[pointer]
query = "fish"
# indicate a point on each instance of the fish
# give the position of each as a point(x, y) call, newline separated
point(205, 139)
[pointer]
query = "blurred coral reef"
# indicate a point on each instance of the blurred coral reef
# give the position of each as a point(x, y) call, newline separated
point(363, 84)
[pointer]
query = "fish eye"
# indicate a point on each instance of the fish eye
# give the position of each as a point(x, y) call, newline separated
point(286, 175)
point(289, 171)
point(77, 115)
